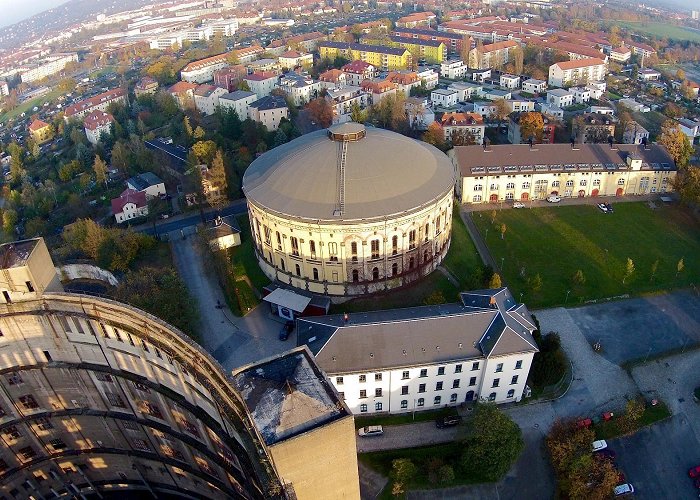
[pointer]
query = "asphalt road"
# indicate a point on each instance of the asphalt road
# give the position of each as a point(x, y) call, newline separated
point(238, 207)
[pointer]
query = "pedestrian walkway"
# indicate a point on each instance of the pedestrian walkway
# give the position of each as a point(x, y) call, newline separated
point(479, 242)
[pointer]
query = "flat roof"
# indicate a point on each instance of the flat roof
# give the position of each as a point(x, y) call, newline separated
point(15, 254)
point(288, 299)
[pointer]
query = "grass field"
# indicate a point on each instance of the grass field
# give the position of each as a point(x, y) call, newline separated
point(25, 107)
point(556, 242)
point(661, 30)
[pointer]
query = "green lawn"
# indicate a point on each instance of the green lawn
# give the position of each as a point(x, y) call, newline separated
point(661, 30)
point(462, 258)
point(244, 260)
point(652, 414)
point(26, 107)
point(651, 121)
point(555, 242)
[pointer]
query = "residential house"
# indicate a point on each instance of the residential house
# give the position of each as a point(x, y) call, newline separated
point(454, 69)
point(292, 60)
point(260, 65)
point(203, 70)
point(229, 78)
point(484, 352)
point(520, 105)
point(262, 83)
point(333, 79)
point(486, 109)
point(509, 81)
point(96, 124)
point(4, 88)
point(428, 77)
point(461, 128)
point(130, 205)
point(146, 85)
point(601, 110)
point(515, 136)
point(596, 89)
point(494, 55)
point(404, 80)
point(534, 86)
point(518, 172)
point(445, 98)
point(378, 89)
point(493, 94)
point(634, 133)
point(634, 106)
point(344, 99)
point(593, 128)
point(40, 131)
point(357, 72)
point(641, 49)
point(183, 92)
point(581, 94)
point(465, 90)
point(480, 75)
point(551, 110)
point(238, 101)
point(419, 112)
point(148, 183)
point(300, 88)
point(621, 54)
point(648, 75)
point(206, 98)
point(100, 102)
point(269, 111)
point(577, 72)
point(223, 233)
point(690, 128)
point(560, 98)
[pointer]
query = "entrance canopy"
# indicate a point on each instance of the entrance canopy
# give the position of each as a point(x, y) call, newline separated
point(288, 299)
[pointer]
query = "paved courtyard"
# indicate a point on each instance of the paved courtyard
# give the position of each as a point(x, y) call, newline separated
point(636, 328)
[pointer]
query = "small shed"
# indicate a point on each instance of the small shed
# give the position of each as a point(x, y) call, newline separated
point(289, 305)
point(223, 233)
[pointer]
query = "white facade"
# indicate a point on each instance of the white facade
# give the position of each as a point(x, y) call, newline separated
point(429, 77)
point(648, 75)
point(621, 54)
point(634, 133)
point(493, 94)
point(300, 88)
point(465, 90)
point(93, 134)
point(344, 99)
point(203, 71)
point(454, 69)
point(509, 82)
point(262, 86)
point(581, 71)
point(551, 110)
point(560, 98)
point(268, 116)
point(238, 101)
point(581, 94)
point(49, 66)
point(4, 88)
point(534, 86)
point(520, 105)
point(131, 211)
point(444, 97)
point(485, 109)
point(206, 102)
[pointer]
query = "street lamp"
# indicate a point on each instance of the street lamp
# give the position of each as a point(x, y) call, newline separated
point(502, 259)
point(521, 297)
point(567, 296)
point(487, 234)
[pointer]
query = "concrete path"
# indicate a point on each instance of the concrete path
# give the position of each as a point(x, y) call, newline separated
point(479, 242)
point(371, 483)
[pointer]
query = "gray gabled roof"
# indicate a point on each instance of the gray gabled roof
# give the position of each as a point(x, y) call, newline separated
point(486, 323)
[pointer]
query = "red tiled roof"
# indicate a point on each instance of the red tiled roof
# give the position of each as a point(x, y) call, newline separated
point(461, 119)
point(580, 63)
point(203, 63)
point(378, 87)
point(259, 76)
point(128, 196)
point(402, 78)
point(356, 66)
point(292, 54)
point(145, 82)
point(181, 87)
point(37, 125)
point(507, 44)
point(94, 101)
point(97, 119)
point(332, 75)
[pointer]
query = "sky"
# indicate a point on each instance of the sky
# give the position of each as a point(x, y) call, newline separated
point(14, 11)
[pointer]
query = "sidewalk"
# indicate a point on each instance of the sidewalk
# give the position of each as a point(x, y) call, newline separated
point(479, 242)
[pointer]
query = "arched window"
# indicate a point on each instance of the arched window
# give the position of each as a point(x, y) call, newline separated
point(282, 265)
point(374, 246)
point(355, 275)
point(394, 269)
point(312, 248)
point(297, 269)
point(394, 245)
point(375, 274)
point(315, 271)
point(279, 240)
point(353, 251)
point(411, 262)
point(425, 256)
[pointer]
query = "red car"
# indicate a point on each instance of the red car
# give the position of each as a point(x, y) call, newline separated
point(584, 423)
point(694, 472)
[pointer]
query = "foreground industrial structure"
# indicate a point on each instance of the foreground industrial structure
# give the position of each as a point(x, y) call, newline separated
point(99, 397)
point(350, 210)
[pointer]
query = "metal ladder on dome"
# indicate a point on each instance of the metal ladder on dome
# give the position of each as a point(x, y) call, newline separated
point(342, 156)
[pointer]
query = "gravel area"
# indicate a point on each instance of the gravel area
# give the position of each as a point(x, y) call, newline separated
point(407, 436)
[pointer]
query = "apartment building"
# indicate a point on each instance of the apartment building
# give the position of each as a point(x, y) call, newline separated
point(621, 54)
point(206, 98)
point(463, 128)
point(145, 85)
point(99, 102)
point(428, 51)
point(183, 92)
point(269, 111)
point(416, 19)
point(634, 133)
point(404, 80)
point(96, 124)
point(203, 70)
point(453, 41)
point(4, 88)
point(358, 71)
point(40, 131)
point(333, 79)
point(300, 88)
point(247, 54)
point(593, 127)
point(262, 83)
point(454, 69)
point(48, 66)
point(229, 77)
point(238, 101)
point(519, 172)
point(494, 55)
point(426, 357)
point(379, 89)
point(577, 72)
point(344, 100)
point(292, 59)
point(384, 58)
point(534, 86)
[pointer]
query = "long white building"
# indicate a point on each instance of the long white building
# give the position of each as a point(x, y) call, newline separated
point(577, 72)
point(426, 357)
point(46, 67)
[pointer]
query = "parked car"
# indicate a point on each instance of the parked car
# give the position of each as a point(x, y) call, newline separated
point(518, 204)
point(584, 423)
point(448, 421)
point(609, 207)
point(553, 199)
point(599, 445)
point(694, 472)
point(623, 489)
point(287, 328)
point(603, 207)
point(370, 430)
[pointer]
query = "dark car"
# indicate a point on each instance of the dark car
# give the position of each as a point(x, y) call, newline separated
point(448, 421)
point(286, 330)
point(609, 207)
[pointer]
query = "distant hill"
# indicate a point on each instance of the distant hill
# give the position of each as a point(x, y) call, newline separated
point(60, 18)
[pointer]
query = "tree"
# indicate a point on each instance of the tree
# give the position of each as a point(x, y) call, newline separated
point(435, 136)
point(9, 219)
point(673, 110)
point(100, 168)
point(676, 143)
point(680, 74)
point(634, 411)
point(495, 281)
point(188, 126)
point(629, 270)
point(531, 125)
point(592, 478)
point(357, 114)
point(403, 470)
point(536, 283)
point(518, 60)
point(503, 230)
point(680, 266)
point(320, 111)
point(198, 133)
point(494, 443)
point(280, 138)
point(578, 278)
point(121, 157)
point(566, 443)
point(217, 177)
point(501, 109)
point(204, 151)
point(687, 185)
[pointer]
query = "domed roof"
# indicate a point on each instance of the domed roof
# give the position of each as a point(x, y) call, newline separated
point(385, 174)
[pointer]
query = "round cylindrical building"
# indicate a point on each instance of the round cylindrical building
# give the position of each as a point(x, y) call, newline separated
point(350, 210)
